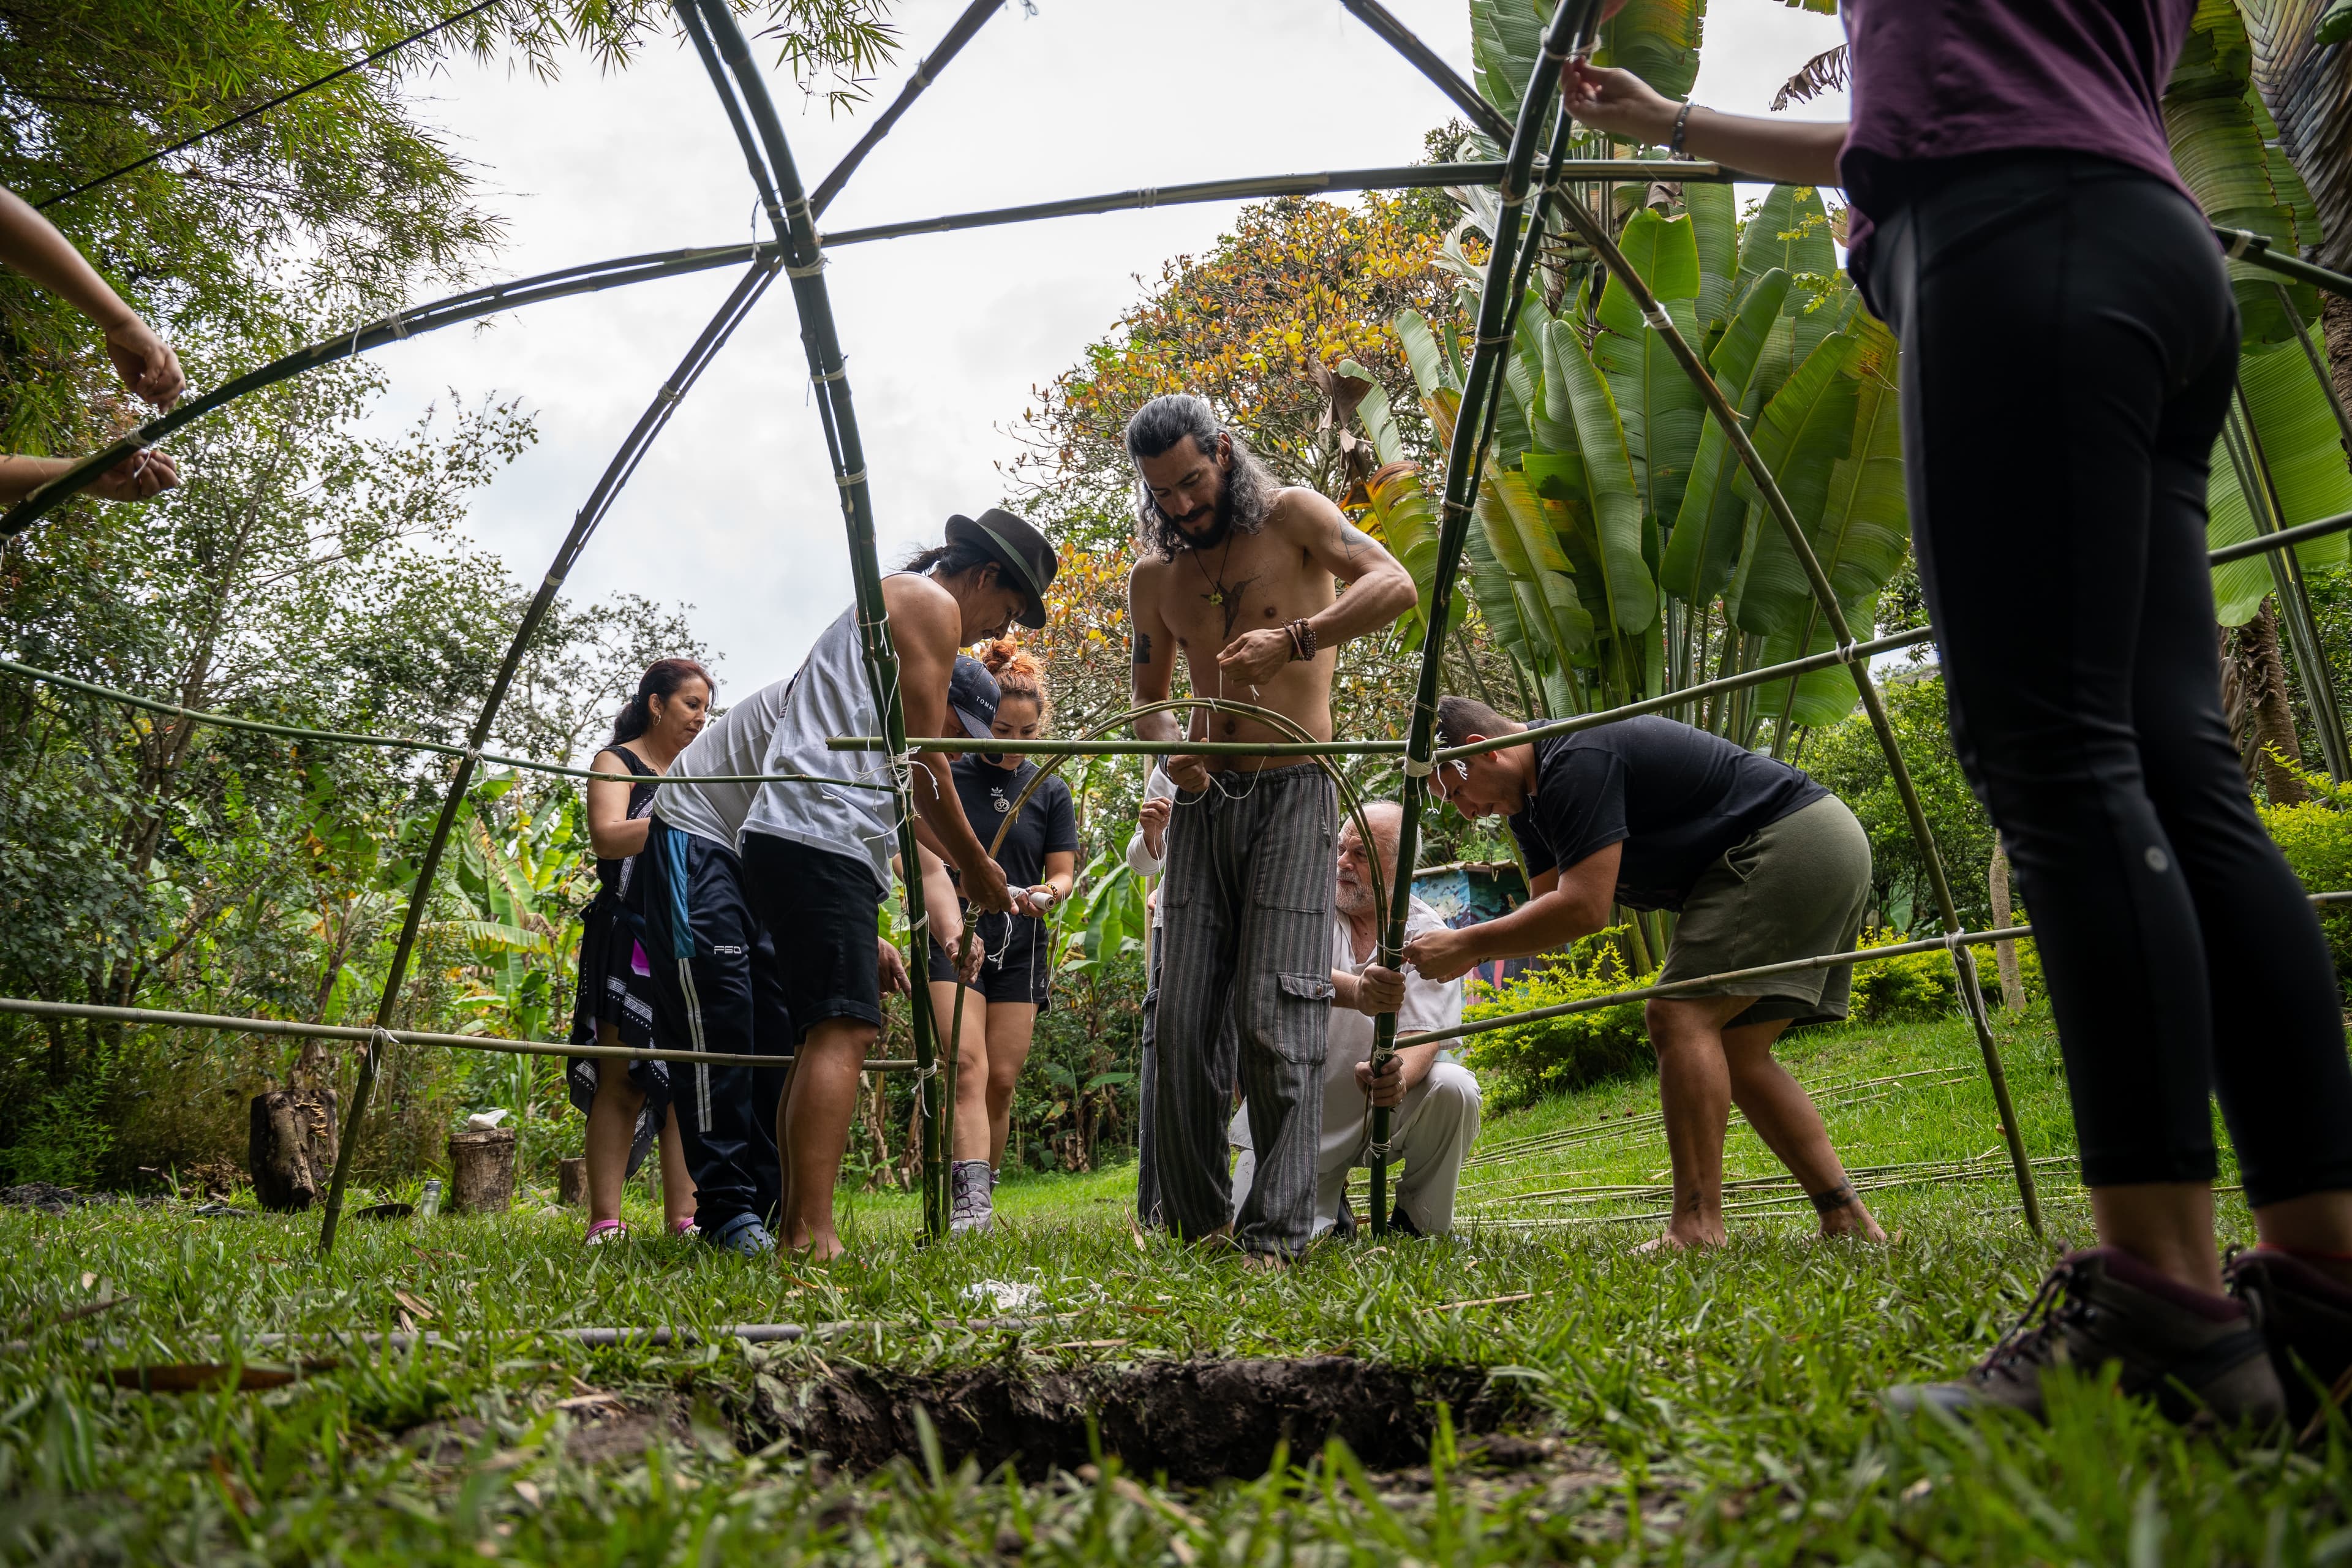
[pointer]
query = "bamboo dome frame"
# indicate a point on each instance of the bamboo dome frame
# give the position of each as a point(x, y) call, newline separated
point(797, 251)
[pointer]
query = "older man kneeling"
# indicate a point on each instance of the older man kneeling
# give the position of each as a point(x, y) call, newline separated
point(1438, 1121)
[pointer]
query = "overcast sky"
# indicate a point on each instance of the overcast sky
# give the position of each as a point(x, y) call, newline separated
point(733, 511)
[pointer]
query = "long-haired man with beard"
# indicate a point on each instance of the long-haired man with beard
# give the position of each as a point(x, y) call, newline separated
point(1240, 575)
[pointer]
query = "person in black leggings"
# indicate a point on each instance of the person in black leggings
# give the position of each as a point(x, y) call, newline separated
point(2070, 342)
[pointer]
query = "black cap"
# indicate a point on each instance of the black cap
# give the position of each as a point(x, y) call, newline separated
point(971, 697)
point(1028, 560)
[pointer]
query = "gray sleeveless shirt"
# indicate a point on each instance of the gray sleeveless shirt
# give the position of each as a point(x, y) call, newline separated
point(830, 696)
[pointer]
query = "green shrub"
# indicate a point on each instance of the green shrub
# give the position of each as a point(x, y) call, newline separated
point(1554, 1056)
point(2316, 838)
point(1915, 988)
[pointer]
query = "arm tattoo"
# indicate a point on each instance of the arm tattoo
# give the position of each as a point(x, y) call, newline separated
point(1352, 537)
point(1142, 648)
point(1842, 1196)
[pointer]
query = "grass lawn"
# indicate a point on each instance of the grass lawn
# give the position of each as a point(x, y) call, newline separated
point(1711, 1408)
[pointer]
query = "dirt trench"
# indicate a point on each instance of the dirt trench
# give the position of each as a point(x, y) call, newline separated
point(1194, 1421)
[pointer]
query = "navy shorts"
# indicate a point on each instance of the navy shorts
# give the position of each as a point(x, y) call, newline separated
point(1018, 967)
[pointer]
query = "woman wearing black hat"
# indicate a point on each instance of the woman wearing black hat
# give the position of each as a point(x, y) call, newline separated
point(809, 864)
point(1039, 855)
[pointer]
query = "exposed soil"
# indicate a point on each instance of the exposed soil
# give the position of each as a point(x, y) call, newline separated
point(1196, 1421)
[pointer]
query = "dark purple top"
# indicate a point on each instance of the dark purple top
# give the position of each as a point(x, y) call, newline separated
point(1936, 79)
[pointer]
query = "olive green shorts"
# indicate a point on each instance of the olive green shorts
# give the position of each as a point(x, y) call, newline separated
point(1793, 888)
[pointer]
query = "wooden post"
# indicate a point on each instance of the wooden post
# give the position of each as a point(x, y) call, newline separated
point(291, 1148)
point(571, 1181)
point(2004, 953)
point(482, 1169)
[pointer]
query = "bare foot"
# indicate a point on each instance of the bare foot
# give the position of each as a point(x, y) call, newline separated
point(1855, 1223)
point(822, 1249)
point(1264, 1262)
point(1674, 1240)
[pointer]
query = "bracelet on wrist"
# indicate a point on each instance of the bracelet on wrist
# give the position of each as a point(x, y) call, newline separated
point(1682, 129)
point(1302, 641)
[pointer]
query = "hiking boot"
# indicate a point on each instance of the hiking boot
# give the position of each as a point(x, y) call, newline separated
point(970, 1206)
point(2305, 1320)
point(2184, 1348)
point(744, 1234)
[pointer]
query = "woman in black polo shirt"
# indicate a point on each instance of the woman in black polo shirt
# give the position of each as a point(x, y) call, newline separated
point(1763, 865)
point(1001, 1003)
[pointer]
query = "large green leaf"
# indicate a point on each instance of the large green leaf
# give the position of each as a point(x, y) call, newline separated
point(1860, 536)
point(2295, 426)
point(1430, 371)
point(1824, 696)
point(1408, 521)
point(1705, 546)
point(1715, 223)
point(1803, 431)
point(1657, 40)
point(2227, 149)
point(1373, 413)
point(1790, 230)
point(1616, 508)
point(1504, 37)
point(1661, 408)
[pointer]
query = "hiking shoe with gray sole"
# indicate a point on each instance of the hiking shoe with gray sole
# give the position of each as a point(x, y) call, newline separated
point(2305, 1318)
point(2185, 1351)
point(971, 1209)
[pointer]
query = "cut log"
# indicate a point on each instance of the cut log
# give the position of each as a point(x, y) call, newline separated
point(290, 1148)
point(482, 1170)
point(571, 1181)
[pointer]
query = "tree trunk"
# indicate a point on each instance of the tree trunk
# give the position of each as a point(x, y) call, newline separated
point(571, 1181)
point(2257, 671)
point(291, 1148)
point(2336, 330)
point(482, 1170)
point(2012, 985)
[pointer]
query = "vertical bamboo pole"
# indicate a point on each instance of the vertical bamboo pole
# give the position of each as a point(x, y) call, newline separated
point(2294, 595)
point(1594, 234)
point(1482, 387)
point(804, 266)
point(739, 302)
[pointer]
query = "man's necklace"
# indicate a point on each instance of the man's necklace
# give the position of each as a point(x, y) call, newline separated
point(1218, 591)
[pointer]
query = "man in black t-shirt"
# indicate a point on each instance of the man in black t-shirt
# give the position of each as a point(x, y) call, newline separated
point(1762, 865)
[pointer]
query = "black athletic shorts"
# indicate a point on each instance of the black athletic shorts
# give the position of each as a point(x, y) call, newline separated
point(824, 911)
point(1018, 967)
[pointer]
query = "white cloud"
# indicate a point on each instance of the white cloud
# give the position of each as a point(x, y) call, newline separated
point(734, 510)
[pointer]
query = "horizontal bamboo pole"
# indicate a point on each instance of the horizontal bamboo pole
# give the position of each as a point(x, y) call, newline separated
point(1407, 176)
point(401, 743)
point(158, 1019)
point(2245, 245)
point(1761, 972)
point(2284, 539)
point(1128, 748)
point(1794, 667)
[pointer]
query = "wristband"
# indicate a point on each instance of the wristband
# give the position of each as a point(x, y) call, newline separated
point(1302, 641)
point(1682, 128)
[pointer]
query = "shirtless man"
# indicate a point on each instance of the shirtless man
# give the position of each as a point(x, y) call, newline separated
point(1238, 573)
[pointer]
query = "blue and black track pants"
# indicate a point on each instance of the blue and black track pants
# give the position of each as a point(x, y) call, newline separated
point(714, 985)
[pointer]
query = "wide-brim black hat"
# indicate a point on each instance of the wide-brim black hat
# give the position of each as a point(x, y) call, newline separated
point(1028, 560)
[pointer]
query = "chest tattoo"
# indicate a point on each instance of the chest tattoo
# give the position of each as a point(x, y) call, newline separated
point(1229, 600)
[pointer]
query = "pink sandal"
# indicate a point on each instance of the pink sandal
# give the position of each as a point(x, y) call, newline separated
point(684, 1227)
point(605, 1230)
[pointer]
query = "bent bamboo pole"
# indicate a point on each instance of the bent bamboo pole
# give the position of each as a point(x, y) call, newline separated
point(829, 384)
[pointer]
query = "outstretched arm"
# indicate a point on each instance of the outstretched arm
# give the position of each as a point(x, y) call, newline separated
point(136, 477)
point(924, 626)
point(1796, 152)
point(1566, 905)
point(32, 245)
point(1378, 587)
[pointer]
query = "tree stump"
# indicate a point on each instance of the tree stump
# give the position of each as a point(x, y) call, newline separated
point(571, 1181)
point(291, 1152)
point(482, 1170)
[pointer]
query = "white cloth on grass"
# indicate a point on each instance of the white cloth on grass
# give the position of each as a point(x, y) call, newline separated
point(1430, 1134)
